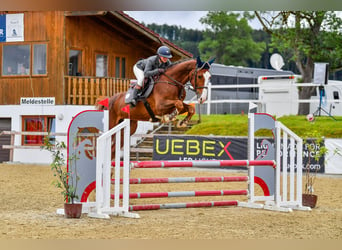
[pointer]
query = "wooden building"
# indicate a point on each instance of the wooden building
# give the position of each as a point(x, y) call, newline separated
point(55, 63)
point(97, 47)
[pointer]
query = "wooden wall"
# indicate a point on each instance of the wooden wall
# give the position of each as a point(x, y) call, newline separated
point(61, 33)
point(92, 37)
point(46, 27)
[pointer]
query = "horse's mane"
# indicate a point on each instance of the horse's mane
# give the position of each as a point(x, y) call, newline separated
point(179, 62)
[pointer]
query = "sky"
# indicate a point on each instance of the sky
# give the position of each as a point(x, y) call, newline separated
point(185, 19)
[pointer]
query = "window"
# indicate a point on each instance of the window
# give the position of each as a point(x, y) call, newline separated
point(117, 67)
point(75, 63)
point(123, 67)
point(120, 67)
point(38, 124)
point(101, 65)
point(17, 59)
point(39, 59)
point(336, 95)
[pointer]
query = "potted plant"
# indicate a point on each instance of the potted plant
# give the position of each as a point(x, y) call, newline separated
point(66, 180)
point(308, 197)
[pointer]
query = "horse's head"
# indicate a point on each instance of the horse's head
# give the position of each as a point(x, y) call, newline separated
point(194, 71)
point(200, 79)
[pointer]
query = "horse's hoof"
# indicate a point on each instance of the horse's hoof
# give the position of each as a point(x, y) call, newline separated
point(166, 119)
point(181, 124)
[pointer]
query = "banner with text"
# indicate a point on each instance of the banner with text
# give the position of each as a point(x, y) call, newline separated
point(189, 148)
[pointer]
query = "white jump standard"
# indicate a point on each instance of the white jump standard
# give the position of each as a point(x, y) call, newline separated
point(264, 170)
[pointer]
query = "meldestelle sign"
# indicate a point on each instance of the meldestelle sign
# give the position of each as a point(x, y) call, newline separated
point(37, 101)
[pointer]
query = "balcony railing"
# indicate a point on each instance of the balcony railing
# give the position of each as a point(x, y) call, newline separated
point(85, 90)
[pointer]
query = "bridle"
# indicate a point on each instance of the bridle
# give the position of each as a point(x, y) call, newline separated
point(192, 74)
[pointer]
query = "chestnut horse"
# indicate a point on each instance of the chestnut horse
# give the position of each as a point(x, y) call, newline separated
point(166, 98)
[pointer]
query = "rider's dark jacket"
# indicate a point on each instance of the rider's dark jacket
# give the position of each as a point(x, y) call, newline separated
point(151, 65)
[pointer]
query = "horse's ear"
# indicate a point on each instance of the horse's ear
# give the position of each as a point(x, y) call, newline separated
point(199, 62)
point(211, 61)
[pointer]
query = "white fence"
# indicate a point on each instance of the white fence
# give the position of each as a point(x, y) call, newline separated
point(103, 173)
point(295, 165)
point(277, 202)
point(212, 101)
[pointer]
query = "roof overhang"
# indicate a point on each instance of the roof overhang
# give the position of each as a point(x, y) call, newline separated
point(130, 29)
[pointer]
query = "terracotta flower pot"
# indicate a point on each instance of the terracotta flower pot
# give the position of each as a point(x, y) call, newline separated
point(72, 210)
point(309, 200)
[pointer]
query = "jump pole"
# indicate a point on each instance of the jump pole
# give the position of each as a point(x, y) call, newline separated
point(185, 179)
point(183, 205)
point(185, 194)
point(201, 163)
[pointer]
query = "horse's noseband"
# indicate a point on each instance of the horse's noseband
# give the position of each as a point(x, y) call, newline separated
point(194, 74)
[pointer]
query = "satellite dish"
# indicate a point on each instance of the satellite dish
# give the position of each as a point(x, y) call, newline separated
point(276, 61)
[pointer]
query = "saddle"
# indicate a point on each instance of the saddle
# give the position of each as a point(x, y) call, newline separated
point(143, 95)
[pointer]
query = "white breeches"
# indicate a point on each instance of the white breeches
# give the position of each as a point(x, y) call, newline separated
point(139, 74)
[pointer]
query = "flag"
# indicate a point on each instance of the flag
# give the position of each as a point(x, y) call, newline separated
point(252, 106)
point(104, 102)
point(126, 109)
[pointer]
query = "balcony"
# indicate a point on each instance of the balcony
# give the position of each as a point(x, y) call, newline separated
point(85, 90)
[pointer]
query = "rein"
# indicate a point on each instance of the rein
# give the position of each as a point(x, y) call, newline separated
point(174, 81)
point(179, 84)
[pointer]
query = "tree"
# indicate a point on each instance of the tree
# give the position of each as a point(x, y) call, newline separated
point(187, 39)
point(229, 39)
point(306, 37)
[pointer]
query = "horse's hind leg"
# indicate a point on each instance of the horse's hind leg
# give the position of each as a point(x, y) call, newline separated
point(191, 111)
point(179, 108)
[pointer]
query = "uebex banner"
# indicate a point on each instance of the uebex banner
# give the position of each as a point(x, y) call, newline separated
point(190, 148)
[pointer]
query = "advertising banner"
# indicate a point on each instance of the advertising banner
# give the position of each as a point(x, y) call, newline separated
point(12, 28)
point(189, 148)
point(334, 156)
point(311, 150)
point(2, 28)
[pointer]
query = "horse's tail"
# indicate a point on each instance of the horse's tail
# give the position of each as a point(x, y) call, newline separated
point(99, 106)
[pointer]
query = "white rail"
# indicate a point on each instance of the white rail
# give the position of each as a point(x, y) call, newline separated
point(103, 173)
point(258, 101)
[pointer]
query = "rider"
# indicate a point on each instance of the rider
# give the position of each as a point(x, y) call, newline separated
point(150, 66)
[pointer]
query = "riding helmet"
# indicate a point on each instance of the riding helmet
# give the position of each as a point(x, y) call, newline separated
point(164, 51)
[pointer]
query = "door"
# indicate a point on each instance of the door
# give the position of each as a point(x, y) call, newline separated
point(5, 125)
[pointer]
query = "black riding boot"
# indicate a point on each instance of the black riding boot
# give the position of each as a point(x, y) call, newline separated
point(133, 101)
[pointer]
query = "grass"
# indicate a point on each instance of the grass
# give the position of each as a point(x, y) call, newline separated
point(237, 125)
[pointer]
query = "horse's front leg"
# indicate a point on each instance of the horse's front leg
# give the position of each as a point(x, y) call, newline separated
point(190, 112)
point(172, 116)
